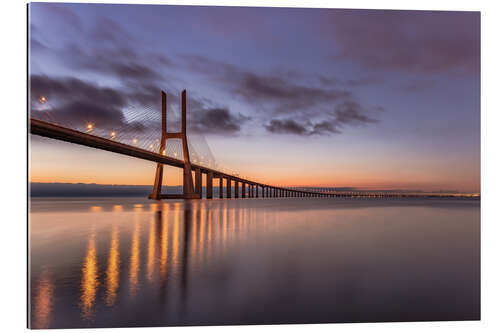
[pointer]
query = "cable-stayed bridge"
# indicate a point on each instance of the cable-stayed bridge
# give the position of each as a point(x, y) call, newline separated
point(139, 135)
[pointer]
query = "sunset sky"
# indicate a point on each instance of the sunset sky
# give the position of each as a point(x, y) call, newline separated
point(320, 97)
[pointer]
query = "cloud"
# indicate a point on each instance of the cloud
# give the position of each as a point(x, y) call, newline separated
point(351, 113)
point(317, 110)
point(348, 113)
point(325, 127)
point(72, 101)
point(71, 89)
point(411, 41)
point(270, 92)
point(217, 121)
point(286, 126)
point(287, 96)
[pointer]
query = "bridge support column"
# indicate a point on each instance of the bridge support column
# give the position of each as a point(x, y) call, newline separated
point(236, 189)
point(243, 190)
point(209, 186)
point(197, 181)
point(221, 187)
point(188, 188)
point(156, 195)
point(228, 188)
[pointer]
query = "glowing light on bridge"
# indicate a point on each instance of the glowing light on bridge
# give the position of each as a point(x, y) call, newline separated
point(90, 127)
point(43, 99)
point(134, 140)
point(112, 134)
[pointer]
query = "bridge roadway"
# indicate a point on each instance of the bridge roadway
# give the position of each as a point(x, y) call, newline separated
point(49, 130)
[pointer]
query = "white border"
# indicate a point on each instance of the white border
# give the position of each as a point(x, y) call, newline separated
point(13, 163)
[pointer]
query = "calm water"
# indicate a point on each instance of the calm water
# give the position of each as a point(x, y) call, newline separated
point(111, 262)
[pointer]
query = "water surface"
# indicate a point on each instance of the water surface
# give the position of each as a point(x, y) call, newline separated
point(114, 262)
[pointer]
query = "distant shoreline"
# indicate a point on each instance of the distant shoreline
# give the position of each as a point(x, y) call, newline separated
point(99, 190)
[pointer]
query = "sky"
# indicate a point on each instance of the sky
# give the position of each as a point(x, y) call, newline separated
point(373, 99)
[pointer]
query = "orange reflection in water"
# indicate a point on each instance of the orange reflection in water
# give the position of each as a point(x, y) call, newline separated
point(151, 250)
point(194, 228)
point(175, 242)
point(90, 278)
point(44, 301)
point(134, 260)
point(113, 270)
point(164, 243)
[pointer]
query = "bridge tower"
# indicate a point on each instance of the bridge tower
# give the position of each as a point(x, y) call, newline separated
point(188, 187)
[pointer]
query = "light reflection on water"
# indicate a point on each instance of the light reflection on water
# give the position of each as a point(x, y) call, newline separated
point(113, 262)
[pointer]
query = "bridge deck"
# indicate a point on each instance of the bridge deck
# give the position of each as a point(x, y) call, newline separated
point(49, 130)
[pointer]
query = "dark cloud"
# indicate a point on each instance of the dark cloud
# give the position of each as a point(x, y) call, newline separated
point(326, 127)
point(286, 96)
point(270, 92)
point(317, 110)
point(413, 41)
point(120, 63)
point(71, 89)
point(217, 121)
point(286, 126)
point(72, 101)
point(81, 112)
point(351, 113)
point(348, 113)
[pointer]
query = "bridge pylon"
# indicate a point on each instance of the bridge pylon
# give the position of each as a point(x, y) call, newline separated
point(189, 191)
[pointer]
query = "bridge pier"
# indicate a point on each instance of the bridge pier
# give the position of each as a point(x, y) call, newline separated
point(243, 190)
point(256, 191)
point(228, 188)
point(209, 187)
point(197, 182)
point(221, 187)
point(236, 189)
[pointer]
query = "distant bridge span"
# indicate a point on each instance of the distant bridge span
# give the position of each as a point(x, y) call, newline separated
point(235, 186)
